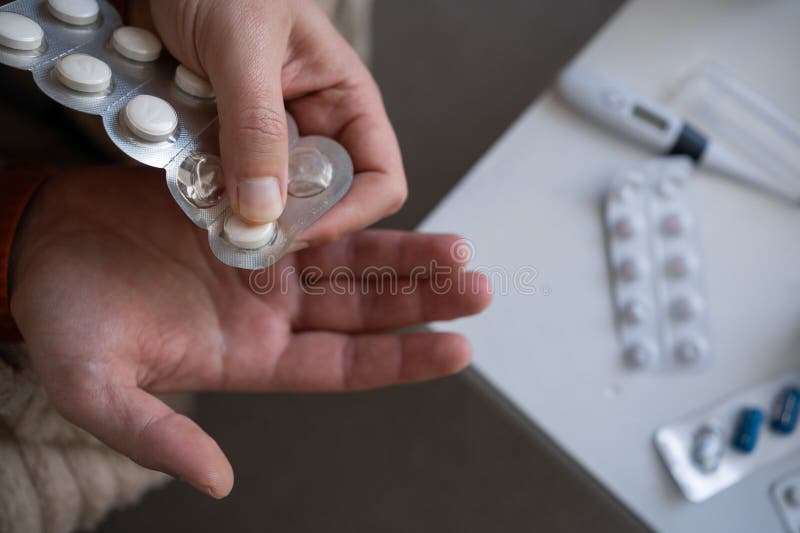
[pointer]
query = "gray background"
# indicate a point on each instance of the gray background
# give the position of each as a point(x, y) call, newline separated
point(443, 456)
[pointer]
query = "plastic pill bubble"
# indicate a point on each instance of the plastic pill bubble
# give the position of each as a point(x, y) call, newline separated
point(19, 32)
point(150, 118)
point(77, 12)
point(688, 351)
point(83, 73)
point(310, 171)
point(243, 235)
point(792, 496)
point(634, 312)
point(192, 84)
point(201, 181)
point(671, 225)
point(683, 308)
point(677, 267)
point(136, 43)
point(708, 447)
point(638, 356)
point(629, 270)
point(624, 228)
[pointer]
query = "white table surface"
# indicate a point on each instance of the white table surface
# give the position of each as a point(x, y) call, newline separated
point(534, 200)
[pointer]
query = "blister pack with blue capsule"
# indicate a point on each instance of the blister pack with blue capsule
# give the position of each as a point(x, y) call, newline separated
point(163, 115)
point(715, 447)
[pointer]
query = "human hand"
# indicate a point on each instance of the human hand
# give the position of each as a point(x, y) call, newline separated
point(118, 297)
point(258, 54)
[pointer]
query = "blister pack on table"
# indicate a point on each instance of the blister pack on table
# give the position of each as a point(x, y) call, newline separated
point(656, 266)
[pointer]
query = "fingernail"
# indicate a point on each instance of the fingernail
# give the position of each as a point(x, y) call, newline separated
point(296, 246)
point(260, 199)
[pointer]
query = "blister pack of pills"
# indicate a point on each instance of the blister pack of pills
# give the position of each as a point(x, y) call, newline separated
point(714, 448)
point(786, 496)
point(163, 115)
point(654, 256)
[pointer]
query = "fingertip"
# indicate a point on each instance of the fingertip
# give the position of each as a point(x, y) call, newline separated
point(453, 354)
point(481, 292)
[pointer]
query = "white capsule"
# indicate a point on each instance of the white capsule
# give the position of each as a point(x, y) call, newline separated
point(150, 118)
point(19, 32)
point(83, 73)
point(246, 236)
point(137, 44)
point(192, 84)
point(77, 12)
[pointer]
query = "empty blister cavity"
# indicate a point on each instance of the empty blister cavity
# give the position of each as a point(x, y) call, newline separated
point(83, 73)
point(18, 32)
point(717, 446)
point(192, 84)
point(150, 118)
point(136, 44)
point(75, 12)
point(310, 170)
point(300, 212)
point(201, 181)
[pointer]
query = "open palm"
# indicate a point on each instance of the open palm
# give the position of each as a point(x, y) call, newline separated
point(118, 297)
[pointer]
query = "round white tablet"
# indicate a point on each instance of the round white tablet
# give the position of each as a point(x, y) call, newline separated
point(77, 12)
point(84, 73)
point(150, 118)
point(136, 43)
point(191, 83)
point(243, 235)
point(19, 32)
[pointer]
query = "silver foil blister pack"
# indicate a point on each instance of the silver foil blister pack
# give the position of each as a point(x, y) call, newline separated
point(713, 448)
point(320, 170)
point(656, 269)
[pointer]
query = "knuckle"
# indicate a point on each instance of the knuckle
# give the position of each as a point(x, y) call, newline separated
point(262, 121)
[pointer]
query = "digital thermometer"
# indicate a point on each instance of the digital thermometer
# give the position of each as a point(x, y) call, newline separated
point(656, 127)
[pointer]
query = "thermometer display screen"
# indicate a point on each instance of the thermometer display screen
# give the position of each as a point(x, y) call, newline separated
point(651, 118)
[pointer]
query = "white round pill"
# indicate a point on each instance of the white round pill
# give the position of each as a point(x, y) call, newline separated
point(19, 32)
point(150, 118)
point(243, 235)
point(136, 43)
point(77, 12)
point(191, 83)
point(83, 73)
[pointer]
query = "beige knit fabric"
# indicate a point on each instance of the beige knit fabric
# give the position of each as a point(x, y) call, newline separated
point(55, 477)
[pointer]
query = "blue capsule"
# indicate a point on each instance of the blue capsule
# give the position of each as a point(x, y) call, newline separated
point(787, 406)
point(746, 435)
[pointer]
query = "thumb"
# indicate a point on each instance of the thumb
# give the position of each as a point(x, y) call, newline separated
point(246, 75)
point(148, 431)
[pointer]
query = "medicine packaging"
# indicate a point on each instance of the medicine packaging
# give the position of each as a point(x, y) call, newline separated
point(164, 115)
point(656, 268)
point(748, 429)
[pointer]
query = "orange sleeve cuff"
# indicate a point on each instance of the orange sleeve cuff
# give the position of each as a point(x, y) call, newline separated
point(18, 184)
